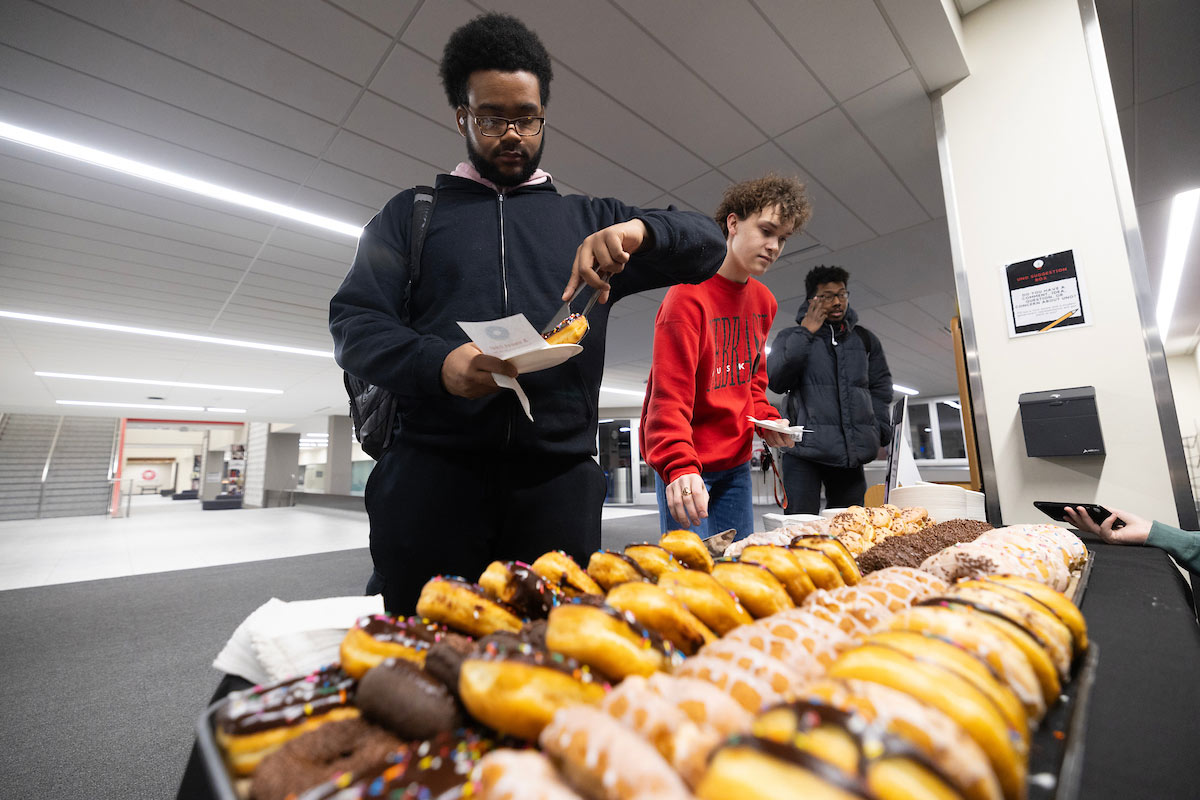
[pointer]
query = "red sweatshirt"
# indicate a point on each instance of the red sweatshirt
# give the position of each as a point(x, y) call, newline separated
point(708, 375)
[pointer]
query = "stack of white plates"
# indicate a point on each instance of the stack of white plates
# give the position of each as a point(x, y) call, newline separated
point(942, 501)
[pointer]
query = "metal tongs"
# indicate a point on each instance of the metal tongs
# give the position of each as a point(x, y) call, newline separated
point(565, 310)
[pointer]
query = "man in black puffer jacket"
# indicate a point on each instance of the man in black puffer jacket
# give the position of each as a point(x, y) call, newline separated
point(838, 387)
point(472, 479)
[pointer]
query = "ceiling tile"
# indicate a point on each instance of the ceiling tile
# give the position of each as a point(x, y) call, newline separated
point(410, 78)
point(385, 122)
point(1168, 56)
point(1165, 164)
point(388, 17)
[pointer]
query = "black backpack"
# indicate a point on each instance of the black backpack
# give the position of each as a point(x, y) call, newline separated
point(374, 410)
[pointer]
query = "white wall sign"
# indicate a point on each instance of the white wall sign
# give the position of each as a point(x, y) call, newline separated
point(1044, 293)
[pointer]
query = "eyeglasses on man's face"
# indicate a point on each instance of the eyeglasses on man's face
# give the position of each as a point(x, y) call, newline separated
point(825, 298)
point(498, 126)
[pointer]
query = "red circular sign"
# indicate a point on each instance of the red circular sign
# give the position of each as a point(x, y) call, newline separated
point(149, 475)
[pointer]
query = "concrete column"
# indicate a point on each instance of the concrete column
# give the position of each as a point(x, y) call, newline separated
point(338, 455)
point(1032, 164)
point(283, 459)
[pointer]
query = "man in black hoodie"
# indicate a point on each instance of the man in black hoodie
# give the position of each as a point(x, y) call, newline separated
point(838, 387)
point(471, 479)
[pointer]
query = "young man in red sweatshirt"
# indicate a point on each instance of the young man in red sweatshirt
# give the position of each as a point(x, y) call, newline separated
point(709, 372)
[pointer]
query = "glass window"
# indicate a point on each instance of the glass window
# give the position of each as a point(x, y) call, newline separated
point(950, 426)
point(920, 431)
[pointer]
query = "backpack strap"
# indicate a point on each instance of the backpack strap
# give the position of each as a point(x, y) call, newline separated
point(423, 199)
point(866, 338)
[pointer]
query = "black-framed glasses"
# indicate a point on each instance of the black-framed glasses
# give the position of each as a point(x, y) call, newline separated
point(825, 298)
point(498, 126)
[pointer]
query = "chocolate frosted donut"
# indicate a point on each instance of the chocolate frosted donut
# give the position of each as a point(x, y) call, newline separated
point(351, 745)
point(444, 660)
point(407, 700)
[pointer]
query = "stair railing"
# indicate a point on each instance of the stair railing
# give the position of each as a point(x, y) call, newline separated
point(46, 468)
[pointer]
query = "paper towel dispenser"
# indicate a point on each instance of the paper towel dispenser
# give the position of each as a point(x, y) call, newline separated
point(1061, 422)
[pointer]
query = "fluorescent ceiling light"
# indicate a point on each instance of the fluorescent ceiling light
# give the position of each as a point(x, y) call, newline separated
point(187, 337)
point(149, 382)
point(953, 404)
point(623, 391)
point(149, 172)
point(150, 405)
point(1179, 233)
point(904, 389)
point(316, 436)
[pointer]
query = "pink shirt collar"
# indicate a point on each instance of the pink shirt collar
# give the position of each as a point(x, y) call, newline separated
point(466, 169)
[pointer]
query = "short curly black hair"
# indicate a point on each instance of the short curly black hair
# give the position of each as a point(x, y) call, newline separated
point(823, 274)
point(747, 197)
point(493, 41)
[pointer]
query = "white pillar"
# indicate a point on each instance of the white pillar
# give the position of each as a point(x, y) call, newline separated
point(1032, 164)
point(338, 455)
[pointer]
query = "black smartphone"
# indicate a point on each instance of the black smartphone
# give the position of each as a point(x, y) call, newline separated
point(1055, 511)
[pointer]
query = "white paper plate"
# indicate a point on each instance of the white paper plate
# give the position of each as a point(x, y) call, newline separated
point(795, 431)
point(544, 357)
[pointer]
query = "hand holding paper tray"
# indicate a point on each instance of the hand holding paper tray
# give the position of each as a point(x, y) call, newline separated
point(515, 340)
point(795, 431)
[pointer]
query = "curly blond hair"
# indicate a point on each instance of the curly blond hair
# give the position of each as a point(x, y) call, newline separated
point(747, 197)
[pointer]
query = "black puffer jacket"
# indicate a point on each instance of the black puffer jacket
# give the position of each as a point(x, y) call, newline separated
point(838, 392)
point(488, 256)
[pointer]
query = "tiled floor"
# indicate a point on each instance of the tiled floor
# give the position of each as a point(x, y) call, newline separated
point(161, 535)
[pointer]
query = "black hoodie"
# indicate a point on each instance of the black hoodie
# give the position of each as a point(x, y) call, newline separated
point(486, 256)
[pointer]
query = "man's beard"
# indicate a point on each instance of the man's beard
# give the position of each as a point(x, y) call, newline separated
point(489, 172)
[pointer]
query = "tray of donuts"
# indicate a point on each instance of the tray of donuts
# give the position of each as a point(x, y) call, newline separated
point(659, 671)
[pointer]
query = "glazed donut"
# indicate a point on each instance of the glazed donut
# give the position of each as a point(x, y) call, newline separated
point(378, 637)
point(971, 631)
point(750, 768)
point(820, 568)
point(1052, 559)
point(407, 700)
point(837, 552)
point(569, 331)
point(941, 739)
point(661, 612)
point(602, 760)
point(963, 664)
point(755, 587)
point(1057, 602)
point(1025, 612)
point(255, 722)
point(749, 690)
point(653, 559)
point(515, 584)
point(906, 582)
point(571, 578)
point(688, 549)
point(609, 568)
point(519, 775)
point(684, 744)
point(516, 690)
point(950, 694)
point(612, 641)
point(465, 607)
point(705, 597)
point(887, 764)
point(980, 558)
point(705, 704)
point(783, 676)
point(783, 565)
point(432, 768)
point(868, 605)
point(1076, 551)
point(810, 635)
point(348, 745)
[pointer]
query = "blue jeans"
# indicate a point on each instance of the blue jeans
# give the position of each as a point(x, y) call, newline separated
point(730, 504)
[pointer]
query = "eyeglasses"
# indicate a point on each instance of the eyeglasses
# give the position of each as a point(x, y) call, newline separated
point(498, 126)
point(825, 298)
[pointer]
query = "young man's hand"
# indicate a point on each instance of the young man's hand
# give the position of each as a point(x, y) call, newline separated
point(467, 372)
point(775, 438)
point(814, 317)
point(605, 253)
point(687, 498)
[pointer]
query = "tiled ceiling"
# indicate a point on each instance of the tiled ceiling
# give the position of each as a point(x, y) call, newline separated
point(334, 105)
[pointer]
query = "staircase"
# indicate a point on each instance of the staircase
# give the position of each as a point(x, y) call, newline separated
point(79, 451)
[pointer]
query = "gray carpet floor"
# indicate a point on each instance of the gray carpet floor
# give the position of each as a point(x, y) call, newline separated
point(104, 680)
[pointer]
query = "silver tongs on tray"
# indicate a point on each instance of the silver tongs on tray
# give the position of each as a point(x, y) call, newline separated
point(564, 311)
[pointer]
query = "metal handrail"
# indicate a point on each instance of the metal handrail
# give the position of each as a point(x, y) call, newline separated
point(46, 467)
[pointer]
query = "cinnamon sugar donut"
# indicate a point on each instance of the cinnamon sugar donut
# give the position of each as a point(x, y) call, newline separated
point(349, 745)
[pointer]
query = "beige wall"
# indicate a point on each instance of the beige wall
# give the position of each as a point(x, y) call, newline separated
point(1185, 385)
point(1030, 176)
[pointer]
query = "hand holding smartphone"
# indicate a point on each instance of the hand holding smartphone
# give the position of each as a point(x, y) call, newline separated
point(1056, 511)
